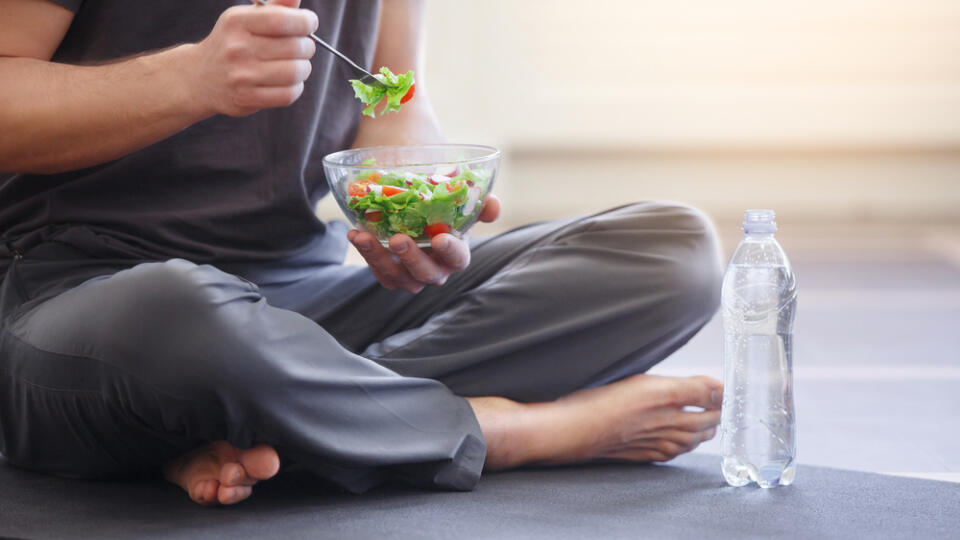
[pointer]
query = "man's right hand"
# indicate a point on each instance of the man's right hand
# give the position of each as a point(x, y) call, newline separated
point(256, 57)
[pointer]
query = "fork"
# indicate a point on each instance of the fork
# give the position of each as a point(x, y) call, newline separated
point(365, 76)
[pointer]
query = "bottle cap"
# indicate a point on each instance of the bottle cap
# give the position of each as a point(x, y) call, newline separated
point(759, 221)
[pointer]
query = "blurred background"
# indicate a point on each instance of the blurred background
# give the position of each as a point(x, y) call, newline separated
point(827, 111)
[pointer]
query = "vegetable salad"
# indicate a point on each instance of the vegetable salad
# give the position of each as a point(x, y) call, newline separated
point(416, 204)
point(399, 90)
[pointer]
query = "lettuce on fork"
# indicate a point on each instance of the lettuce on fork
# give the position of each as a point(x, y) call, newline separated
point(399, 90)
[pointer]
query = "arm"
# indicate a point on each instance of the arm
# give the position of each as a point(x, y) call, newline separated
point(400, 46)
point(59, 117)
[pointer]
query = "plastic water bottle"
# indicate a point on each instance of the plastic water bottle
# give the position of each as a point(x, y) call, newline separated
point(758, 432)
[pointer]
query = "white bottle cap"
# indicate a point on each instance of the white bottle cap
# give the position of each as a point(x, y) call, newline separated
point(759, 221)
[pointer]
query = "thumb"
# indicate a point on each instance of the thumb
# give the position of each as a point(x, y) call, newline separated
point(491, 208)
point(285, 3)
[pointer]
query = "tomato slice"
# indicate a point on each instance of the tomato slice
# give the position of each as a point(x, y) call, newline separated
point(373, 216)
point(390, 190)
point(436, 228)
point(358, 189)
point(374, 177)
point(409, 95)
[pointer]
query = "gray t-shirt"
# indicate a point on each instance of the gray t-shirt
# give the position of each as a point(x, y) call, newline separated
point(225, 189)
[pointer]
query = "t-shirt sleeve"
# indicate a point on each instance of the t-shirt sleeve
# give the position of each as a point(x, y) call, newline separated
point(72, 5)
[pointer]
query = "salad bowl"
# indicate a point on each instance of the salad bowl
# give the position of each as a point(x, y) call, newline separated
point(420, 191)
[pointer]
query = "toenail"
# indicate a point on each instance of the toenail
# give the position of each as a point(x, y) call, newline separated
point(716, 397)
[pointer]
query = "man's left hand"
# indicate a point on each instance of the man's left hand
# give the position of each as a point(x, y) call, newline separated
point(406, 266)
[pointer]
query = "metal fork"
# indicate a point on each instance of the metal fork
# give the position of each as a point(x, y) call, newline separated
point(365, 76)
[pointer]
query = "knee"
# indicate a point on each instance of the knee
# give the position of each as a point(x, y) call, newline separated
point(693, 266)
point(178, 288)
point(679, 243)
point(176, 322)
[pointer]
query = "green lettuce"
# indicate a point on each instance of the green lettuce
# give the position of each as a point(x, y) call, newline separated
point(371, 96)
point(422, 203)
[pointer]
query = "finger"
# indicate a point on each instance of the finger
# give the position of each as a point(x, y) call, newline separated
point(277, 21)
point(491, 208)
point(287, 3)
point(420, 265)
point(696, 421)
point(233, 495)
point(451, 252)
point(388, 271)
point(269, 96)
point(283, 48)
point(281, 73)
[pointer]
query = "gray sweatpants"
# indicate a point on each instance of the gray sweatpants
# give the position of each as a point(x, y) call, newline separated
point(109, 365)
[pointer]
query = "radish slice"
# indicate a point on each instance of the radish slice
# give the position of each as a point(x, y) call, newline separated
point(473, 197)
point(447, 170)
point(438, 179)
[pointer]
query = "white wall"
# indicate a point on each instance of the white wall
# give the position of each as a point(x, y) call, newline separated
point(823, 108)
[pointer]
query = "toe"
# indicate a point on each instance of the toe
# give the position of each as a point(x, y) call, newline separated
point(204, 491)
point(232, 474)
point(260, 462)
point(234, 494)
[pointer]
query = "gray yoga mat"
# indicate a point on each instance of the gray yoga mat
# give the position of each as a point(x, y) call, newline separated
point(684, 499)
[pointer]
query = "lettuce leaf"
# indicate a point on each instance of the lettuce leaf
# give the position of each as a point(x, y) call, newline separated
point(371, 96)
point(408, 222)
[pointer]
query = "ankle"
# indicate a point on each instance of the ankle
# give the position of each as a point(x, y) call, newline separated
point(505, 427)
point(528, 433)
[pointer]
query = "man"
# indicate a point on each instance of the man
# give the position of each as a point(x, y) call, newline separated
point(169, 300)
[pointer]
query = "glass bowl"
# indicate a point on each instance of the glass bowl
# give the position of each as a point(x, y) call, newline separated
point(420, 191)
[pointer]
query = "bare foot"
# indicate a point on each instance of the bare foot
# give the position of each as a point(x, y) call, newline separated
point(640, 418)
point(221, 473)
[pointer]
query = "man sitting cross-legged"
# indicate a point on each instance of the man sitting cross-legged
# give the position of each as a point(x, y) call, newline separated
point(170, 303)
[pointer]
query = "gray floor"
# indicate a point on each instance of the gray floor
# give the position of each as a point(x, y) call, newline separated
point(685, 499)
point(878, 390)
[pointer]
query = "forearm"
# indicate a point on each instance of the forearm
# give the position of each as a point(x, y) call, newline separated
point(416, 123)
point(60, 117)
point(401, 40)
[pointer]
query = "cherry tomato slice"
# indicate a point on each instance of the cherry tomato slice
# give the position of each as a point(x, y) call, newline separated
point(436, 228)
point(358, 189)
point(390, 190)
point(409, 95)
point(373, 216)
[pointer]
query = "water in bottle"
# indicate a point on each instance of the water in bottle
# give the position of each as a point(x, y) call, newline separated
point(758, 433)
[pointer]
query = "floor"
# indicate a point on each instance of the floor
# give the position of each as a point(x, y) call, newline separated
point(683, 499)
